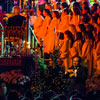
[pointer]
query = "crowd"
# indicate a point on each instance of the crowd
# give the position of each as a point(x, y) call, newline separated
point(73, 30)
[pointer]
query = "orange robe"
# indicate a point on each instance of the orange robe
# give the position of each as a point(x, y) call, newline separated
point(66, 54)
point(76, 50)
point(96, 53)
point(50, 39)
point(64, 23)
point(87, 55)
point(43, 31)
point(75, 20)
point(37, 25)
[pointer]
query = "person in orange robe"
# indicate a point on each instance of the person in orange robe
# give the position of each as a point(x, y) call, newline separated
point(96, 52)
point(65, 20)
point(87, 53)
point(39, 21)
point(43, 31)
point(51, 37)
point(76, 49)
point(64, 50)
point(75, 20)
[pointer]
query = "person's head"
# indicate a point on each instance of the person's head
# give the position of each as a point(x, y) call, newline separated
point(85, 18)
point(67, 34)
point(64, 5)
point(85, 4)
point(76, 61)
point(46, 12)
point(65, 11)
point(55, 14)
point(76, 4)
point(76, 11)
point(94, 7)
point(93, 19)
point(78, 36)
point(88, 35)
point(31, 12)
point(39, 11)
point(16, 10)
point(82, 28)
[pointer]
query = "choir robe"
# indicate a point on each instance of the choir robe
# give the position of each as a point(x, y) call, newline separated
point(87, 55)
point(43, 31)
point(37, 24)
point(51, 38)
point(75, 20)
point(76, 49)
point(64, 23)
point(96, 53)
point(66, 54)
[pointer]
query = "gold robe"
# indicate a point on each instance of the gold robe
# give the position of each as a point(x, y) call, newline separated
point(44, 28)
point(66, 54)
point(76, 49)
point(37, 25)
point(75, 20)
point(64, 23)
point(51, 37)
point(87, 55)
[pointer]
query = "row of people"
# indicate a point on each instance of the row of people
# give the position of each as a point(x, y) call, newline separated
point(81, 32)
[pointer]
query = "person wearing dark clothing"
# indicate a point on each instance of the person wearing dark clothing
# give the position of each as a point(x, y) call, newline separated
point(78, 75)
point(17, 19)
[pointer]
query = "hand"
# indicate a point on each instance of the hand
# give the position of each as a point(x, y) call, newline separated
point(72, 75)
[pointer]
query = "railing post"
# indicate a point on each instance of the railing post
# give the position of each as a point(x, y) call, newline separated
point(33, 41)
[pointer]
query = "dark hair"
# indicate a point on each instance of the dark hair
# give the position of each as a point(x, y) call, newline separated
point(86, 18)
point(79, 36)
point(89, 35)
point(65, 5)
point(48, 12)
point(77, 57)
point(76, 4)
point(82, 27)
point(77, 10)
point(94, 18)
point(57, 14)
point(86, 4)
point(95, 7)
point(41, 10)
point(88, 9)
point(66, 10)
point(90, 27)
point(70, 36)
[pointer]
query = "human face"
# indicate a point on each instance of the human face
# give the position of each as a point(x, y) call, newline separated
point(76, 62)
